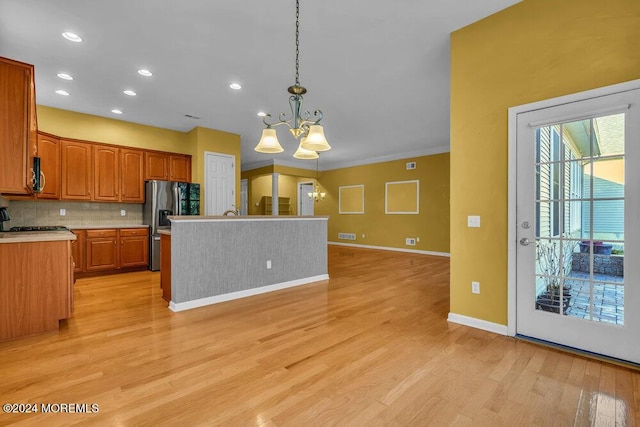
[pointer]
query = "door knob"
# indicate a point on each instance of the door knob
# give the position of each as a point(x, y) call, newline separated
point(525, 242)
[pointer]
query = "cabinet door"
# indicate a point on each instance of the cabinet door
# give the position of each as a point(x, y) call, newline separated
point(102, 250)
point(78, 249)
point(76, 170)
point(134, 251)
point(156, 166)
point(49, 153)
point(132, 176)
point(179, 168)
point(106, 172)
point(17, 111)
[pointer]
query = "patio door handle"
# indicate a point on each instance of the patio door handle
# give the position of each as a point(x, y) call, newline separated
point(525, 242)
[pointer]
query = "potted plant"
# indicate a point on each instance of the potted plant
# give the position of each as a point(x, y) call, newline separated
point(553, 296)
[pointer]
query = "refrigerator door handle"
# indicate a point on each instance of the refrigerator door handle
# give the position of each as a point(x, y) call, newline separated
point(177, 198)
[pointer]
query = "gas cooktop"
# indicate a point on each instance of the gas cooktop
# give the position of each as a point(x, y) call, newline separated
point(40, 228)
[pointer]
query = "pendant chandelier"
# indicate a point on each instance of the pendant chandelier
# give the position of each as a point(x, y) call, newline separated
point(317, 195)
point(302, 124)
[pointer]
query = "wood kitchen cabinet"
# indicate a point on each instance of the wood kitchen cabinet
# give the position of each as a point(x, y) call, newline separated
point(78, 249)
point(179, 168)
point(156, 166)
point(18, 126)
point(33, 299)
point(167, 167)
point(132, 175)
point(76, 171)
point(112, 250)
point(102, 250)
point(134, 247)
point(49, 153)
point(106, 173)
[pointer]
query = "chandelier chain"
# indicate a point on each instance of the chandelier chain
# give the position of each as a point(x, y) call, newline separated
point(297, 42)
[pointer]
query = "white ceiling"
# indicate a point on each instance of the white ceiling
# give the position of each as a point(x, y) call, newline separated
point(379, 70)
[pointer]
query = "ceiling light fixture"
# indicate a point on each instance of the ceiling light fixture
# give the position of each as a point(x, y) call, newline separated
point(145, 72)
point(129, 92)
point(116, 111)
point(72, 37)
point(301, 124)
point(317, 195)
point(62, 92)
point(65, 76)
point(235, 86)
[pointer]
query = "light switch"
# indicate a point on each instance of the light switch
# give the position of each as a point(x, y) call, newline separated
point(473, 221)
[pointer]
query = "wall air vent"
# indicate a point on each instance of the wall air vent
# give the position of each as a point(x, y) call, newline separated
point(347, 236)
point(411, 165)
point(192, 117)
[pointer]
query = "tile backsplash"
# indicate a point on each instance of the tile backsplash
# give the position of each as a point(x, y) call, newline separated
point(77, 213)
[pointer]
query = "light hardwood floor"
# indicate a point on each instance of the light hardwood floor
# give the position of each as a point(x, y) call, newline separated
point(369, 347)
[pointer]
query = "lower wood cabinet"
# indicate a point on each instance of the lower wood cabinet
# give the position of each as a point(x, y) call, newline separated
point(102, 250)
point(111, 250)
point(134, 247)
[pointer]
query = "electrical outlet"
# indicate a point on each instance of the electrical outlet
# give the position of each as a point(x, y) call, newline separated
point(473, 221)
point(268, 264)
point(417, 239)
point(475, 287)
point(123, 212)
point(63, 212)
point(410, 241)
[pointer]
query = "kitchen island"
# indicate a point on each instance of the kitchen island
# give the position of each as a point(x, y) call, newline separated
point(211, 259)
point(36, 282)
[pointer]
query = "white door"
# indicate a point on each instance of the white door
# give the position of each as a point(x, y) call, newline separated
point(578, 233)
point(220, 183)
point(305, 203)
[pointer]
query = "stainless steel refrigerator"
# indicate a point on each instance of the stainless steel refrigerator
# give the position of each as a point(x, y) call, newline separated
point(163, 199)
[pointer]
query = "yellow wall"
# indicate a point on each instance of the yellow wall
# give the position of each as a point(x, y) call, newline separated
point(70, 124)
point(534, 50)
point(74, 125)
point(431, 225)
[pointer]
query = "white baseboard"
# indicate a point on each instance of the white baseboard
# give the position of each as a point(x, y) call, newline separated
point(181, 306)
point(477, 323)
point(385, 248)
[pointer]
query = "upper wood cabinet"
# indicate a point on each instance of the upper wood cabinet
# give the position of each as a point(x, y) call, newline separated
point(167, 167)
point(49, 153)
point(179, 168)
point(106, 173)
point(76, 170)
point(18, 126)
point(132, 175)
point(156, 166)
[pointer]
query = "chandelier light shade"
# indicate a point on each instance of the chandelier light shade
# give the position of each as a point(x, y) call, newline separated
point(302, 124)
point(269, 143)
point(315, 140)
point(303, 153)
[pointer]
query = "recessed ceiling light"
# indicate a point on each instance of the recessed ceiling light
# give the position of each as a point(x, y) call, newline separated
point(144, 72)
point(65, 76)
point(62, 92)
point(129, 92)
point(72, 37)
point(235, 86)
point(262, 113)
point(116, 111)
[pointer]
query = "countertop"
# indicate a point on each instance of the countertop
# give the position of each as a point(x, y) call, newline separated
point(220, 218)
point(35, 236)
point(104, 226)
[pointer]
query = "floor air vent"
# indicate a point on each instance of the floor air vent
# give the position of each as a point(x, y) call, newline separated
point(347, 236)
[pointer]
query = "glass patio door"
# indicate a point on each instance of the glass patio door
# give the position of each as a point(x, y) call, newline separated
point(578, 225)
